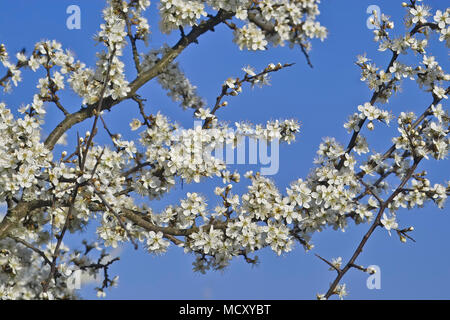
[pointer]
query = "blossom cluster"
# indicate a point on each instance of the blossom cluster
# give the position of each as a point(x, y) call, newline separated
point(112, 186)
point(263, 22)
point(172, 79)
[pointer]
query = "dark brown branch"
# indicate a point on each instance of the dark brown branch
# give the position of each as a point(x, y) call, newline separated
point(375, 224)
point(140, 80)
point(30, 246)
point(118, 218)
point(329, 263)
point(376, 94)
point(133, 43)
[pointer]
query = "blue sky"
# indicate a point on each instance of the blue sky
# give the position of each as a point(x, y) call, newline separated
point(320, 98)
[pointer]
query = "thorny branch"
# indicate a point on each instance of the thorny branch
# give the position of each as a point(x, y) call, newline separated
point(377, 222)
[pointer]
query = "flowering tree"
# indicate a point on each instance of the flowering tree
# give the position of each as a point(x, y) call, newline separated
point(51, 195)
